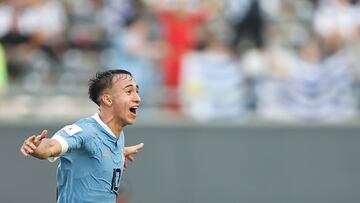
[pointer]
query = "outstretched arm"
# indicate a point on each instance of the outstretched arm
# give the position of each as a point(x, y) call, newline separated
point(41, 147)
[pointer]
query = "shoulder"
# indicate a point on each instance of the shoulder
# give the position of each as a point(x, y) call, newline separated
point(73, 129)
point(81, 127)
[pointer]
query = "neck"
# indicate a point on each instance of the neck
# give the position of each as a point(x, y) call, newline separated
point(110, 120)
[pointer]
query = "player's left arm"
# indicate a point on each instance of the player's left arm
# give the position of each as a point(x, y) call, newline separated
point(129, 152)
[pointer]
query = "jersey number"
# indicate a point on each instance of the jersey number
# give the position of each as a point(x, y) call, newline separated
point(115, 183)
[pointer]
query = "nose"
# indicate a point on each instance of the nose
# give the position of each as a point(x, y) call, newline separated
point(137, 98)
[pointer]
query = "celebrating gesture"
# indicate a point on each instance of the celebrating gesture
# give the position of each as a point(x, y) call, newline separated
point(92, 151)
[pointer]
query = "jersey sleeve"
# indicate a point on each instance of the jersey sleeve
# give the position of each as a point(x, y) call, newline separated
point(70, 137)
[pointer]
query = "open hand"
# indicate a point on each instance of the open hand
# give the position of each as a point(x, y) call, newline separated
point(31, 143)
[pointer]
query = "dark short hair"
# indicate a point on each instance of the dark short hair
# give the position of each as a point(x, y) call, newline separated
point(102, 81)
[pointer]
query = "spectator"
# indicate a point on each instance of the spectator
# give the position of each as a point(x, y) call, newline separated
point(337, 23)
point(29, 26)
point(179, 25)
point(132, 48)
point(246, 18)
point(212, 84)
point(307, 88)
point(118, 13)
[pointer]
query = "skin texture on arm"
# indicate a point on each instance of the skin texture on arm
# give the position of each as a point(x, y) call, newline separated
point(41, 147)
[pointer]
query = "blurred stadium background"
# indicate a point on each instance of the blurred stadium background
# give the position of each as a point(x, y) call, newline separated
point(243, 100)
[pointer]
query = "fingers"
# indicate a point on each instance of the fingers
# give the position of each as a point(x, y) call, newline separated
point(130, 158)
point(42, 135)
point(135, 149)
point(28, 146)
point(23, 151)
point(28, 149)
point(129, 152)
point(31, 138)
point(30, 142)
point(139, 146)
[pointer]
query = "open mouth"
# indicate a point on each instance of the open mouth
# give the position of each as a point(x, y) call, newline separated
point(133, 109)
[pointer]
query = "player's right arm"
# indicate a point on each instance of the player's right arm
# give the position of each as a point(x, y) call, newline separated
point(40, 146)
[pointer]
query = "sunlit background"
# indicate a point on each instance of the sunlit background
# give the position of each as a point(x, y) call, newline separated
point(266, 91)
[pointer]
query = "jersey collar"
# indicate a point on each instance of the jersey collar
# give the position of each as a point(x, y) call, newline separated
point(106, 128)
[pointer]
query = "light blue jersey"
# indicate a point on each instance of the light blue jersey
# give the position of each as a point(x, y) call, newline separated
point(91, 162)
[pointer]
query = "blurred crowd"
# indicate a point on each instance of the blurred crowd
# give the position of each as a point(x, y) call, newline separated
point(207, 59)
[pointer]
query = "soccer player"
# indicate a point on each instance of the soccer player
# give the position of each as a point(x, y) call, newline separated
point(92, 153)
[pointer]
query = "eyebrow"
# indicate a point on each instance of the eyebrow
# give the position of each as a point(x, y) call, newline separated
point(130, 85)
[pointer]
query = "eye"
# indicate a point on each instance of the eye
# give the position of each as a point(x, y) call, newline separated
point(128, 92)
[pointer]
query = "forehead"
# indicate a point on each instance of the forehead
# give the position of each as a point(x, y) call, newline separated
point(123, 80)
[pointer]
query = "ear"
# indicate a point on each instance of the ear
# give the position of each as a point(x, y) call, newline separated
point(106, 99)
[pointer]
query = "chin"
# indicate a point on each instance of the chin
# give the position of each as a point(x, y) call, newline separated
point(130, 122)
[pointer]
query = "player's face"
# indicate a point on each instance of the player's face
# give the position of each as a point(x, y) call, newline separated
point(126, 99)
